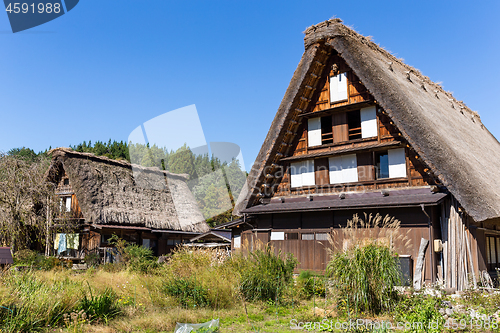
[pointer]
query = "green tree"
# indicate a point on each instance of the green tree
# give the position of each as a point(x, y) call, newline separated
point(25, 153)
point(182, 161)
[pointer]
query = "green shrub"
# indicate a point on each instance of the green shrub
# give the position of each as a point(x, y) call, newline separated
point(39, 261)
point(365, 277)
point(25, 258)
point(140, 259)
point(207, 271)
point(267, 275)
point(309, 284)
point(113, 267)
point(188, 291)
point(103, 306)
point(422, 309)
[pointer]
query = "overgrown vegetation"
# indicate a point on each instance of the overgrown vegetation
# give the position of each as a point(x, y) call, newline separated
point(266, 275)
point(366, 270)
point(196, 286)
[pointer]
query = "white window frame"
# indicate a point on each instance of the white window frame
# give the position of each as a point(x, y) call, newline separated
point(343, 169)
point(302, 174)
point(314, 132)
point(338, 88)
point(277, 235)
point(397, 163)
point(368, 122)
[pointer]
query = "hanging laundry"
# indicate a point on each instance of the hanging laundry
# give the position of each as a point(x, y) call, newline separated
point(62, 244)
point(73, 241)
point(56, 241)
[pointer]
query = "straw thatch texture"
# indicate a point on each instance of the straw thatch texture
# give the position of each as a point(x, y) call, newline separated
point(447, 135)
point(116, 192)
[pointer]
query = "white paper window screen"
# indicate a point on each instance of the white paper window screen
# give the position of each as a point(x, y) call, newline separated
point(68, 204)
point(314, 132)
point(237, 242)
point(397, 163)
point(302, 173)
point(277, 235)
point(368, 122)
point(308, 178)
point(338, 87)
point(322, 236)
point(307, 236)
point(343, 169)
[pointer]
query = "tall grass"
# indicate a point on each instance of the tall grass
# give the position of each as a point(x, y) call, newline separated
point(199, 277)
point(366, 270)
point(267, 275)
point(30, 304)
point(102, 306)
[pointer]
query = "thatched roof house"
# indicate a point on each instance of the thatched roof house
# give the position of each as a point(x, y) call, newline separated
point(108, 192)
point(105, 197)
point(360, 131)
point(446, 134)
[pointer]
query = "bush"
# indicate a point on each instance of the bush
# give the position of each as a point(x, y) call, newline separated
point(188, 291)
point(92, 260)
point(309, 284)
point(365, 277)
point(420, 309)
point(140, 259)
point(103, 306)
point(267, 275)
point(25, 258)
point(39, 261)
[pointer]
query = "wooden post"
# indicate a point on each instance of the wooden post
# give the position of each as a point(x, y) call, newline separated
point(417, 279)
point(48, 224)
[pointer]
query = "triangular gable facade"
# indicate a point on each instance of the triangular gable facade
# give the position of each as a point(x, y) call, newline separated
point(454, 147)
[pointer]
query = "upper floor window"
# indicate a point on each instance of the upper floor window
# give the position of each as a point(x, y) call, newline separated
point(391, 164)
point(338, 87)
point(302, 173)
point(66, 181)
point(343, 169)
point(342, 127)
point(65, 205)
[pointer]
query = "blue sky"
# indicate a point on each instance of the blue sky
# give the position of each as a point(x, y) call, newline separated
point(107, 67)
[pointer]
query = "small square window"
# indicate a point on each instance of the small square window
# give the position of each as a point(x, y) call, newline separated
point(382, 165)
point(307, 236)
point(322, 236)
point(66, 181)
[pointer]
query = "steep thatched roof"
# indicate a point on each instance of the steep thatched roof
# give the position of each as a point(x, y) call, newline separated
point(447, 135)
point(116, 192)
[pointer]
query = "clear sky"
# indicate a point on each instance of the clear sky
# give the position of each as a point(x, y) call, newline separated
point(109, 66)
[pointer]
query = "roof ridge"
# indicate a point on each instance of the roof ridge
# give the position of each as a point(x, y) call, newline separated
point(61, 151)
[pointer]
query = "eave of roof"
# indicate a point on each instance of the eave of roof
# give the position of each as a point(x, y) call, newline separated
point(343, 150)
point(368, 200)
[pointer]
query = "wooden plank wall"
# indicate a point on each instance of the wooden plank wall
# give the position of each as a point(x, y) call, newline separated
point(314, 254)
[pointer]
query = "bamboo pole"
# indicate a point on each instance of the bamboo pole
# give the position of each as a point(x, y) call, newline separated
point(470, 263)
